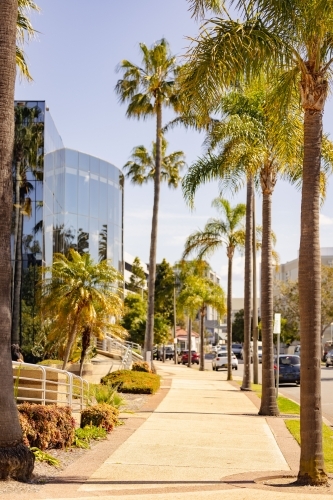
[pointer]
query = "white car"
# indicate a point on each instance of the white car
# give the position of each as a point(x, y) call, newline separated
point(221, 360)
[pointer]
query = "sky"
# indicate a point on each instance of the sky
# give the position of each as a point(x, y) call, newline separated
point(73, 63)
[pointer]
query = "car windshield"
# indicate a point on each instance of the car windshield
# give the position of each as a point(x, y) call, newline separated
point(289, 360)
point(259, 347)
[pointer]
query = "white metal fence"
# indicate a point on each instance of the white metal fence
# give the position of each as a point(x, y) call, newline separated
point(112, 345)
point(47, 385)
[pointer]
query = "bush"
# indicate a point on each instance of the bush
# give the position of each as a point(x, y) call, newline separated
point(100, 415)
point(90, 432)
point(106, 394)
point(141, 366)
point(50, 362)
point(46, 427)
point(133, 382)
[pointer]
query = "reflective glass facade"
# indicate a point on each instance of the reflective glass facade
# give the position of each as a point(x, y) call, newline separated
point(68, 200)
point(83, 206)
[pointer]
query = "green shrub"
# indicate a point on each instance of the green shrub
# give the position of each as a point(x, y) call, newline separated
point(133, 382)
point(100, 393)
point(46, 427)
point(141, 366)
point(100, 415)
point(91, 432)
point(41, 456)
point(50, 362)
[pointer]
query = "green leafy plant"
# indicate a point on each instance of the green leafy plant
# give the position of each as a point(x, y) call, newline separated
point(41, 456)
point(100, 415)
point(100, 393)
point(133, 382)
point(89, 433)
point(141, 366)
point(46, 427)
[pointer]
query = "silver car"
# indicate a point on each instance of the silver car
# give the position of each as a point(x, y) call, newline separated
point(329, 359)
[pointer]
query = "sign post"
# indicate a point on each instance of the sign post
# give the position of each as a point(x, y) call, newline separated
point(277, 331)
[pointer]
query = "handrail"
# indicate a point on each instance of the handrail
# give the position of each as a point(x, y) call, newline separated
point(63, 388)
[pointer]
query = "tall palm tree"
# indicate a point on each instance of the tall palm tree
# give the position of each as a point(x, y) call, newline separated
point(197, 292)
point(148, 88)
point(228, 232)
point(295, 38)
point(16, 460)
point(74, 289)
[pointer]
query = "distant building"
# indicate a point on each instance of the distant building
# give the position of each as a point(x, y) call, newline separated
point(289, 270)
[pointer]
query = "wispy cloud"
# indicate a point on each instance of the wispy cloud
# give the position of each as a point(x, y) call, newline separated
point(324, 220)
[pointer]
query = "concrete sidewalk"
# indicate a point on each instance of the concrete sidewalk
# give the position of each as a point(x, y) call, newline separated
point(204, 440)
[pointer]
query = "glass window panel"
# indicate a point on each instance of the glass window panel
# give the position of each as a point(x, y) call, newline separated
point(83, 235)
point(71, 191)
point(71, 158)
point(110, 251)
point(103, 169)
point(94, 194)
point(103, 200)
point(48, 256)
point(111, 203)
point(83, 162)
point(70, 232)
point(93, 239)
point(83, 194)
point(59, 192)
point(94, 165)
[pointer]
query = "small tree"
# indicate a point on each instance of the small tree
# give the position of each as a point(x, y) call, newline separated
point(135, 317)
point(138, 278)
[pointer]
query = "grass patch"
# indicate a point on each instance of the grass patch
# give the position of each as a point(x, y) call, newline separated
point(294, 428)
point(133, 382)
point(285, 405)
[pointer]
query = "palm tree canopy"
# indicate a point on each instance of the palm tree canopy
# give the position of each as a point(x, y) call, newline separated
point(150, 84)
point(249, 136)
point(289, 36)
point(141, 168)
point(24, 31)
point(228, 232)
point(198, 292)
point(75, 288)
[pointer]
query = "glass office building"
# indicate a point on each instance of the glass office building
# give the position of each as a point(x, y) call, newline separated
point(75, 201)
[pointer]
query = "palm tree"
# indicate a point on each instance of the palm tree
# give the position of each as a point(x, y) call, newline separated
point(197, 292)
point(74, 289)
point(16, 460)
point(148, 88)
point(141, 168)
point(227, 232)
point(294, 37)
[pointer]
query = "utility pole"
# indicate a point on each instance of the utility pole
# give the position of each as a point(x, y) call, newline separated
point(189, 341)
point(255, 300)
point(174, 325)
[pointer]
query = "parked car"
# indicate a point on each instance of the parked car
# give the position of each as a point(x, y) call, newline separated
point(327, 347)
point(237, 350)
point(169, 353)
point(297, 350)
point(289, 369)
point(195, 357)
point(221, 360)
point(329, 359)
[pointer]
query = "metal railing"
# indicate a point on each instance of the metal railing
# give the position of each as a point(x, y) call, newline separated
point(113, 346)
point(47, 385)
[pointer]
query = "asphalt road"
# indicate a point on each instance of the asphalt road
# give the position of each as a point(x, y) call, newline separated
point(292, 391)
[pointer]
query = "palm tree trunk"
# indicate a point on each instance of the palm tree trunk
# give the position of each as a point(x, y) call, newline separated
point(149, 337)
point(70, 341)
point(230, 253)
point(17, 211)
point(86, 334)
point(255, 304)
point(202, 338)
point(16, 311)
point(268, 400)
point(311, 463)
point(16, 460)
point(189, 339)
point(246, 384)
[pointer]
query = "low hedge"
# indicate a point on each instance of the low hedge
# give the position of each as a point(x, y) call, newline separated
point(100, 415)
point(46, 427)
point(133, 382)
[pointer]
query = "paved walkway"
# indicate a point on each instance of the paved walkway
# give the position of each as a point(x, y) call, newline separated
point(203, 441)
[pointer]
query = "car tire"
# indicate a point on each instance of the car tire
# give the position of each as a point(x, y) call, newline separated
point(236, 367)
point(327, 365)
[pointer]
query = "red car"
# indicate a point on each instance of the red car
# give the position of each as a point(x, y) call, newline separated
point(194, 357)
